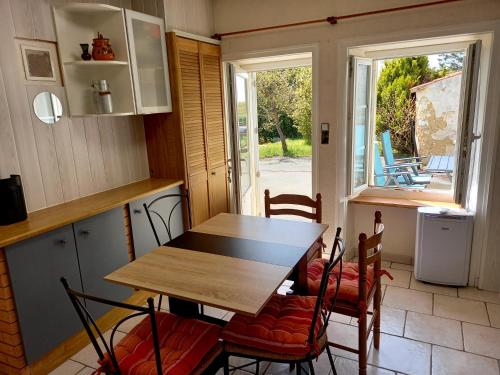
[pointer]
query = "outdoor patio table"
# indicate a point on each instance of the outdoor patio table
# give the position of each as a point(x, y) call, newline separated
point(232, 262)
point(441, 164)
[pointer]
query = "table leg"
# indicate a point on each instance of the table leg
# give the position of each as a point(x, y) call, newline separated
point(183, 308)
point(301, 276)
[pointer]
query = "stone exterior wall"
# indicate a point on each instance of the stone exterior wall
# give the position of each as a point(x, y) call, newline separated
point(437, 112)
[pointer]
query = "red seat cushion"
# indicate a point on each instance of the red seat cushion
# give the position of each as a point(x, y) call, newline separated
point(349, 282)
point(183, 344)
point(282, 327)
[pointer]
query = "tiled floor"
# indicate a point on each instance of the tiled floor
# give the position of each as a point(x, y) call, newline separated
point(426, 329)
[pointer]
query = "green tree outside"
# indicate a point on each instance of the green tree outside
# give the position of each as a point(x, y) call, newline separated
point(284, 98)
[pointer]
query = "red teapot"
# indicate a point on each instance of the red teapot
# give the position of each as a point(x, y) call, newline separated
point(101, 49)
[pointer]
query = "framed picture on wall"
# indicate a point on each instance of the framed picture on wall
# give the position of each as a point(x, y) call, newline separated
point(38, 63)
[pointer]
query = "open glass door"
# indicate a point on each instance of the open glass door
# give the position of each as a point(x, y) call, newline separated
point(242, 142)
point(467, 145)
point(360, 73)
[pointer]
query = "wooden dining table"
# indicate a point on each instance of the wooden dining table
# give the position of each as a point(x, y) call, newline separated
point(233, 262)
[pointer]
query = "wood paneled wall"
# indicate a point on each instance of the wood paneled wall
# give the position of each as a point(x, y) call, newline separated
point(77, 156)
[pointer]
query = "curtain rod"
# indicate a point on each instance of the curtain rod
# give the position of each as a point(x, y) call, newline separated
point(333, 19)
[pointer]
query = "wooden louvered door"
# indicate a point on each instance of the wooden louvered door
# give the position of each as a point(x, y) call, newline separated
point(211, 81)
point(191, 103)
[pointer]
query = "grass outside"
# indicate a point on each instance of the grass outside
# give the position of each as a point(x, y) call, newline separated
point(297, 148)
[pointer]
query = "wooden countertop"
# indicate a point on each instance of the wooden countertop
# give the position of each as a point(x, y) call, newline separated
point(399, 202)
point(54, 217)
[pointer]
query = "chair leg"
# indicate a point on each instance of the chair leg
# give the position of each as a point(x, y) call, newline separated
point(257, 367)
point(159, 301)
point(298, 366)
point(362, 347)
point(376, 308)
point(330, 358)
point(226, 365)
point(311, 368)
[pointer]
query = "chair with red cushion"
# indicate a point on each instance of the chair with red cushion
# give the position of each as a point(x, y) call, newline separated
point(359, 286)
point(289, 329)
point(162, 343)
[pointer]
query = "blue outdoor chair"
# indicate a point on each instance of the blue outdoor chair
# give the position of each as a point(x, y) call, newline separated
point(387, 176)
point(411, 163)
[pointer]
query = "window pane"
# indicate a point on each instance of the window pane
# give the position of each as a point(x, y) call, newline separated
point(361, 123)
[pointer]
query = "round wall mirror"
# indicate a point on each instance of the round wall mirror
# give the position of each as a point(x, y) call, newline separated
point(47, 107)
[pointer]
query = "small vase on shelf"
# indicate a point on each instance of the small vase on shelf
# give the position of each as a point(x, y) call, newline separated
point(101, 49)
point(85, 52)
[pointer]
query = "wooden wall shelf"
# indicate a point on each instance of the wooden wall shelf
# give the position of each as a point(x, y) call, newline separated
point(95, 63)
point(51, 218)
point(399, 202)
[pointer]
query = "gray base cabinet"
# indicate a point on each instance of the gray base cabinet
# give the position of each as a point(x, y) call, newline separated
point(102, 249)
point(144, 239)
point(46, 315)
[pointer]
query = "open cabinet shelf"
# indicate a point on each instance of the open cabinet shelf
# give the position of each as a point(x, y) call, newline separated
point(79, 23)
point(95, 63)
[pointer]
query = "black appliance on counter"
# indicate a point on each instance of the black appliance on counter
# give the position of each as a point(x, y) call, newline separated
point(12, 205)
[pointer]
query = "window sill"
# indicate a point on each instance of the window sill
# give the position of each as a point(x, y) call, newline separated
point(399, 202)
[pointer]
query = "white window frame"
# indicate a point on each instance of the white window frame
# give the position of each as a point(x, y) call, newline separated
point(456, 194)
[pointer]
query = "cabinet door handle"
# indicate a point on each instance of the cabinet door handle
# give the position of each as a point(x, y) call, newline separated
point(84, 233)
point(61, 242)
point(213, 173)
point(137, 211)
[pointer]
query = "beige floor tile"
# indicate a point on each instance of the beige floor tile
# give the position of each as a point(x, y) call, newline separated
point(403, 355)
point(401, 278)
point(460, 309)
point(128, 324)
point(453, 362)
point(494, 314)
point(349, 366)
point(408, 299)
point(401, 266)
point(88, 355)
point(479, 295)
point(238, 361)
point(432, 288)
point(340, 318)
point(346, 335)
point(87, 371)
point(321, 366)
point(434, 330)
point(482, 340)
point(164, 302)
point(68, 368)
point(214, 312)
point(392, 321)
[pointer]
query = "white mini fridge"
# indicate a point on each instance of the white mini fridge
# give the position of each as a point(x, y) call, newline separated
point(443, 245)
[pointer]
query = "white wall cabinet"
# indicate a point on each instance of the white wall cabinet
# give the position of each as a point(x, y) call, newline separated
point(137, 77)
point(148, 53)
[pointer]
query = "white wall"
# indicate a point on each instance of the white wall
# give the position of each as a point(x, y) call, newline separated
point(192, 16)
point(332, 43)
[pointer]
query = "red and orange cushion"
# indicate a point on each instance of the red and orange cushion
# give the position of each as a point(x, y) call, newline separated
point(349, 281)
point(183, 344)
point(282, 327)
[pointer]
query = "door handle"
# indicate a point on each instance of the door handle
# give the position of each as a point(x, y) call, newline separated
point(137, 211)
point(84, 233)
point(213, 173)
point(61, 242)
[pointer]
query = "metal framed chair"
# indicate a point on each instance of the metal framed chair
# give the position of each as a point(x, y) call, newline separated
point(306, 316)
point(301, 201)
point(152, 212)
point(390, 176)
point(147, 345)
point(413, 163)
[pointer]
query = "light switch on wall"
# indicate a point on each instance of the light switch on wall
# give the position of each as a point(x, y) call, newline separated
point(325, 133)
